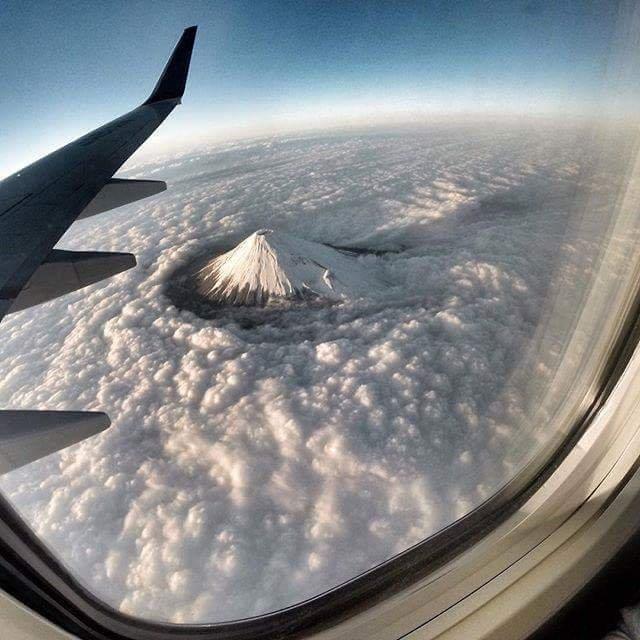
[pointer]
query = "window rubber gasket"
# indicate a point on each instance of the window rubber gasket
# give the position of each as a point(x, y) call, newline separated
point(33, 576)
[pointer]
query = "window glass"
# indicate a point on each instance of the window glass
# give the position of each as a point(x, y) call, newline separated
point(396, 249)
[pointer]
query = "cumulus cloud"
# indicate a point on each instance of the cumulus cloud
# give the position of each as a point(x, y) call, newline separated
point(253, 464)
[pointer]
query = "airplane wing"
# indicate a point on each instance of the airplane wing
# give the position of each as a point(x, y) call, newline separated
point(41, 201)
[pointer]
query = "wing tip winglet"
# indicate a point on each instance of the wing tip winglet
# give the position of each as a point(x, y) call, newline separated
point(172, 82)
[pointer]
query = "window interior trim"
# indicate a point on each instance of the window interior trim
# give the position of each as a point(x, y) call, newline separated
point(527, 593)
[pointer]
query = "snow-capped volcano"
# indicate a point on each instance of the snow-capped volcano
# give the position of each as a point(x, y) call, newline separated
point(273, 264)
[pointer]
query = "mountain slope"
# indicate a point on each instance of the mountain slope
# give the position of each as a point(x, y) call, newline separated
point(276, 265)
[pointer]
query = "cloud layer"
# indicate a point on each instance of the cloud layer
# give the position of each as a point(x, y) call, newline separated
point(253, 464)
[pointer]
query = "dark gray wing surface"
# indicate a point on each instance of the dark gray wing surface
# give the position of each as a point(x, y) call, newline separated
point(37, 205)
point(40, 202)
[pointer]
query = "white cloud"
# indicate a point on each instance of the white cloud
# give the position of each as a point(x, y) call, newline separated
point(252, 465)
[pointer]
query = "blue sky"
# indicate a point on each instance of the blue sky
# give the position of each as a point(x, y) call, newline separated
point(260, 66)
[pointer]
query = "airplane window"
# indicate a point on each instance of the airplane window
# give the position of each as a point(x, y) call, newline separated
point(397, 247)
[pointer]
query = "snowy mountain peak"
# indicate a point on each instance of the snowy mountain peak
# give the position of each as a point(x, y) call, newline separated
point(276, 265)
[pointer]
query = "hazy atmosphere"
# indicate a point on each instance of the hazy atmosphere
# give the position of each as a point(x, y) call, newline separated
point(265, 67)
